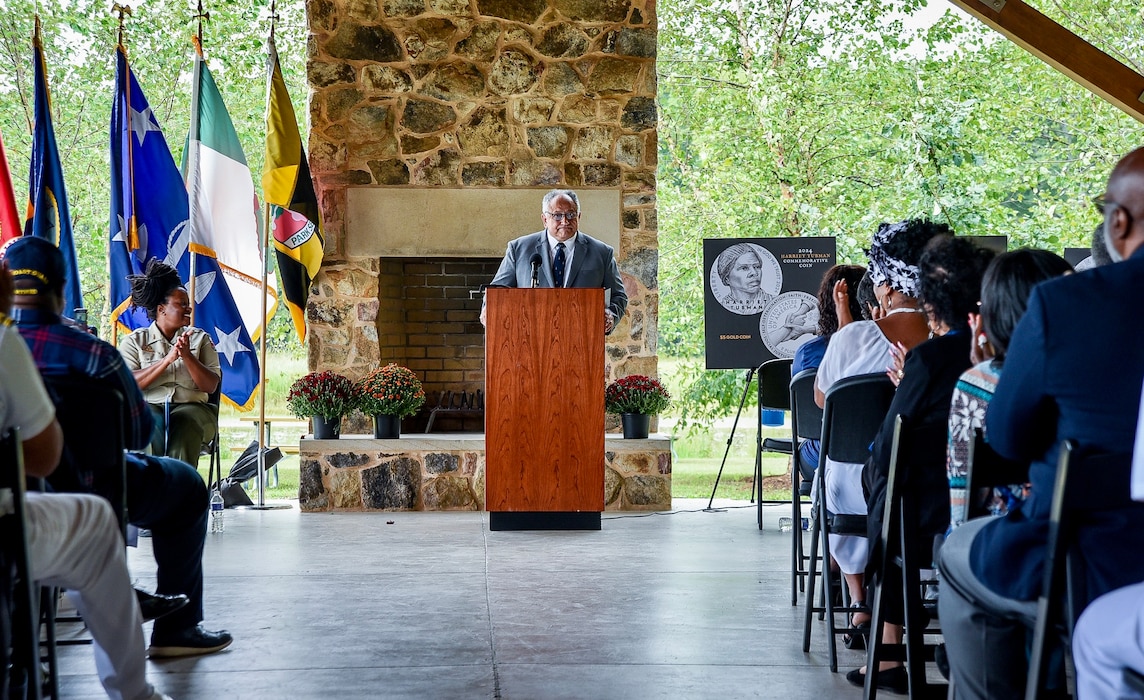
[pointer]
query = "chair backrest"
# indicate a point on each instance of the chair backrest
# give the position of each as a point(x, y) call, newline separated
point(774, 385)
point(806, 416)
point(90, 412)
point(1087, 483)
point(17, 590)
point(852, 415)
point(909, 438)
point(986, 469)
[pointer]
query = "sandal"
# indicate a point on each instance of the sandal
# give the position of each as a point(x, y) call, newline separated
point(857, 641)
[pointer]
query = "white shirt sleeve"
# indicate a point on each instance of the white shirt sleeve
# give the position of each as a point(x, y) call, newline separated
point(24, 402)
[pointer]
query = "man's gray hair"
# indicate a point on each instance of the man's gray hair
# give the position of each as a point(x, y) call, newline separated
point(559, 193)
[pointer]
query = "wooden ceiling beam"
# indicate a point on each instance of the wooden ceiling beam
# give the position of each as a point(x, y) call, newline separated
point(1063, 50)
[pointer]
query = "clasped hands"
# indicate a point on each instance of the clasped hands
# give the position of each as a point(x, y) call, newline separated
point(180, 349)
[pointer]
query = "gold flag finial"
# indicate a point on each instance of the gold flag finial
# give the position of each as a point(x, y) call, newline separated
point(121, 12)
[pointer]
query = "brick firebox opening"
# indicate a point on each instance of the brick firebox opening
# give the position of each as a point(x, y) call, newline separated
point(428, 320)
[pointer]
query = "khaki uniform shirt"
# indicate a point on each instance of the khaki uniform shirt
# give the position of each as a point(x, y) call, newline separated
point(144, 347)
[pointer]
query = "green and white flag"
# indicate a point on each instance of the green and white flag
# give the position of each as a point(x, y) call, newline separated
point(225, 219)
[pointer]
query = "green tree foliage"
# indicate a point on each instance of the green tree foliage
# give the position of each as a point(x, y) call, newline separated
point(79, 39)
point(824, 118)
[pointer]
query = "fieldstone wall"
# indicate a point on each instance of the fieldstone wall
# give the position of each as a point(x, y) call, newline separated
point(480, 93)
point(417, 473)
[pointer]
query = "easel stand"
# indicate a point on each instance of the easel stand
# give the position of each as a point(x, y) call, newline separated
point(730, 438)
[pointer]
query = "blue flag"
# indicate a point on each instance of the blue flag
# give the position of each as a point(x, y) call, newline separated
point(217, 314)
point(48, 216)
point(150, 216)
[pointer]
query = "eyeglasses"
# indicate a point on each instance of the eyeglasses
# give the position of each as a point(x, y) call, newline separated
point(563, 216)
point(1101, 203)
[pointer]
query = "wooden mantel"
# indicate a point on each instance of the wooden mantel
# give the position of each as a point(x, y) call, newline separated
point(1063, 50)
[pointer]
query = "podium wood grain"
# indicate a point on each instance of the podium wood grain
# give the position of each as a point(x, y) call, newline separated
point(544, 400)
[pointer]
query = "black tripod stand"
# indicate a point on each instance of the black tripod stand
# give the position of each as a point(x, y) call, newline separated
point(758, 452)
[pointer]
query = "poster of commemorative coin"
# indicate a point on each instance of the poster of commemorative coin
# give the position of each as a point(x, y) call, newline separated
point(760, 297)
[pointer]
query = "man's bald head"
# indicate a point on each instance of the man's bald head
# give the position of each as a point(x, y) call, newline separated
point(1126, 183)
point(1124, 206)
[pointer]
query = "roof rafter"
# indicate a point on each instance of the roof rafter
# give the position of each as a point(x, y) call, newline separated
point(1063, 50)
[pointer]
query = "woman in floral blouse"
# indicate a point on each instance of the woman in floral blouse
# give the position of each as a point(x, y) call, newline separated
point(1005, 291)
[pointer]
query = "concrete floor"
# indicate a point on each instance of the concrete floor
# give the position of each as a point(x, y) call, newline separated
point(435, 605)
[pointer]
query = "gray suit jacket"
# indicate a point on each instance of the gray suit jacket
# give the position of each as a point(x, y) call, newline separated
point(593, 265)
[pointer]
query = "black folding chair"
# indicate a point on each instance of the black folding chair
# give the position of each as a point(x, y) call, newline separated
point(900, 543)
point(853, 412)
point(987, 469)
point(90, 413)
point(1087, 485)
point(19, 591)
point(774, 395)
point(805, 424)
point(212, 447)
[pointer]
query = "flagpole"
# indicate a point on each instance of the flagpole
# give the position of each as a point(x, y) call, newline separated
point(132, 232)
point(265, 322)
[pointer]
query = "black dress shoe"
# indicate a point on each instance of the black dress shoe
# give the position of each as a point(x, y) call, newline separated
point(893, 679)
point(193, 641)
point(155, 605)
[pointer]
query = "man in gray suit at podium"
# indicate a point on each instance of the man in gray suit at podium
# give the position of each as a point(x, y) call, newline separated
point(563, 256)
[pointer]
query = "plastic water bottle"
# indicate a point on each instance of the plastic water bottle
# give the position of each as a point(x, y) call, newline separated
point(217, 510)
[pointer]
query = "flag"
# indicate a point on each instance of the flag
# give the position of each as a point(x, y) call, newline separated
point(217, 314)
point(150, 217)
point(10, 224)
point(48, 216)
point(289, 190)
point(225, 222)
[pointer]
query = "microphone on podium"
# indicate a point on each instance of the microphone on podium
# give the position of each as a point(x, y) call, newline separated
point(535, 261)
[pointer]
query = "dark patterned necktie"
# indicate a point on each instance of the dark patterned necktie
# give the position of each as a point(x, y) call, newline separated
point(558, 265)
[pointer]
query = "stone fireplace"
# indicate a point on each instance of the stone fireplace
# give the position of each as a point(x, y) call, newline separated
point(436, 127)
point(428, 320)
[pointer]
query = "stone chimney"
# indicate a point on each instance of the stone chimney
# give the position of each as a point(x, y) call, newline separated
point(436, 127)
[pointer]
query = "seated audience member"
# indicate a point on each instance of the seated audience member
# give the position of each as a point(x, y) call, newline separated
point(175, 365)
point(835, 285)
point(1052, 390)
point(949, 286)
point(1004, 295)
point(73, 539)
point(1109, 636)
point(164, 495)
point(863, 299)
point(863, 347)
point(867, 300)
point(1099, 255)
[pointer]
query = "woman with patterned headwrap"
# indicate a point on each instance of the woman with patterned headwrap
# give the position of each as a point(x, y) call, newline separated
point(175, 365)
point(863, 347)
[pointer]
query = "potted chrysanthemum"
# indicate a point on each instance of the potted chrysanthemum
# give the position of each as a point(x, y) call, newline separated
point(636, 398)
point(389, 394)
point(324, 397)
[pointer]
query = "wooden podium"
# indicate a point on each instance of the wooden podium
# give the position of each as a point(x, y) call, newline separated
point(544, 409)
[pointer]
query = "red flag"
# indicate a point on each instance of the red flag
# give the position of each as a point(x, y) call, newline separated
point(11, 225)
